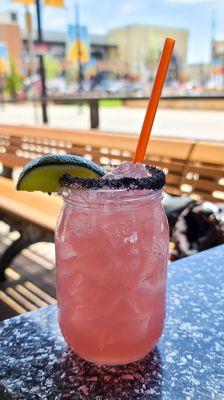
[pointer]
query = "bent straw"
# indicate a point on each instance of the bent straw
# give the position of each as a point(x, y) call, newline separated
point(154, 100)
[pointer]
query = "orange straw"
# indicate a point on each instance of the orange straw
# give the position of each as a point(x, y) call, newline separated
point(154, 100)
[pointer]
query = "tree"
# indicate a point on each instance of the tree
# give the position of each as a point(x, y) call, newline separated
point(153, 54)
point(52, 66)
point(13, 81)
point(72, 73)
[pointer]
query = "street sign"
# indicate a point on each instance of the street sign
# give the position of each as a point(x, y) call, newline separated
point(41, 49)
point(25, 2)
point(54, 3)
point(3, 58)
point(78, 47)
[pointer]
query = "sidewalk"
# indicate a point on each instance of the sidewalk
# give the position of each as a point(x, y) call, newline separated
point(189, 124)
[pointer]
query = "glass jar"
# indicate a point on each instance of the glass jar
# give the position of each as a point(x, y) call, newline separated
point(111, 266)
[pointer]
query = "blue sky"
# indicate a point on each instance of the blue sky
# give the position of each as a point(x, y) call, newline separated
point(101, 15)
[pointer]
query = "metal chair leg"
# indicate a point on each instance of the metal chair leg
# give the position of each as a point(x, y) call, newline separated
point(12, 251)
point(28, 236)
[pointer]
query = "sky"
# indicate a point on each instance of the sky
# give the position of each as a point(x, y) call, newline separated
point(101, 15)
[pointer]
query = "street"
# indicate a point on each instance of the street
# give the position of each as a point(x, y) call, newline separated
point(188, 124)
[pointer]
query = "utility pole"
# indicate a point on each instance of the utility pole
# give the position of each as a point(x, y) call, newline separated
point(2, 88)
point(80, 72)
point(41, 63)
point(29, 30)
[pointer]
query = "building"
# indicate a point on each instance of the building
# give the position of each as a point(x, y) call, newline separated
point(218, 63)
point(100, 48)
point(132, 50)
point(198, 72)
point(56, 43)
point(8, 18)
point(10, 34)
point(139, 47)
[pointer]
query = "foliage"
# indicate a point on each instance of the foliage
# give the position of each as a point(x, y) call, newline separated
point(72, 72)
point(52, 66)
point(153, 54)
point(13, 81)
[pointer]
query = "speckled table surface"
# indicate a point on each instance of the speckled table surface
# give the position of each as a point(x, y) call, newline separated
point(35, 362)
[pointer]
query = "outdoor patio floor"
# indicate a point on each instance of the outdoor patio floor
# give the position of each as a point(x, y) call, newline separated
point(30, 279)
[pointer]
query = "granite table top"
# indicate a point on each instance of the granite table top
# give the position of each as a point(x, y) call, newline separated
point(35, 362)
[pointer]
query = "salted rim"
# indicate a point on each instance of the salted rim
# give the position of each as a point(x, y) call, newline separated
point(155, 181)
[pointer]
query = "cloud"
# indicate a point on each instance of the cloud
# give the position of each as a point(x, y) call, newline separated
point(98, 31)
point(58, 23)
point(130, 6)
point(81, 2)
point(190, 1)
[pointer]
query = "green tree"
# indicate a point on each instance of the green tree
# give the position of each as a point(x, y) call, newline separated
point(13, 81)
point(72, 72)
point(52, 66)
point(153, 53)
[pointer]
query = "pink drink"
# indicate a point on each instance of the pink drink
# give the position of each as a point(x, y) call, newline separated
point(111, 257)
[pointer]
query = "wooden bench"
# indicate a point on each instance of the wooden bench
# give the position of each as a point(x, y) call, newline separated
point(34, 215)
point(192, 167)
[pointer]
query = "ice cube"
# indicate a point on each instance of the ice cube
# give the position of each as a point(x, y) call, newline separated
point(128, 170)
point(67, 251)
point(105, 338)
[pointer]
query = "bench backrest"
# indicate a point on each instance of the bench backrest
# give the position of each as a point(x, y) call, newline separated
point(204, 172)
point(30, 206)
point(191, 167)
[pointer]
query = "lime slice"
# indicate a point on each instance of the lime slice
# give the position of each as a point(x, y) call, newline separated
point(43, 173)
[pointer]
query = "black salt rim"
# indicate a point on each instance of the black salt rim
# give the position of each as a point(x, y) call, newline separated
point(155, 181)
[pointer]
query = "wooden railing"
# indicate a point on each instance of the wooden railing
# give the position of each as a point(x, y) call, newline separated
point(192, 167)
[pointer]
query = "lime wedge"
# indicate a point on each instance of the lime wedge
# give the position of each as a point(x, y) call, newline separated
point(43, 173)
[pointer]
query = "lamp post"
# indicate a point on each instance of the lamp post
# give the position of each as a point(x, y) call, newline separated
point(80, 72)
point(41, 64)
point(30, 48)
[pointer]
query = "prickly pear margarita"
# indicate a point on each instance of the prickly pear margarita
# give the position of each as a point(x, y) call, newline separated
point(111, 260)
point(111, 246)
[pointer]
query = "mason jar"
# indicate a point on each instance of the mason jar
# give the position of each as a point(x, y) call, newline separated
point(111, 267)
